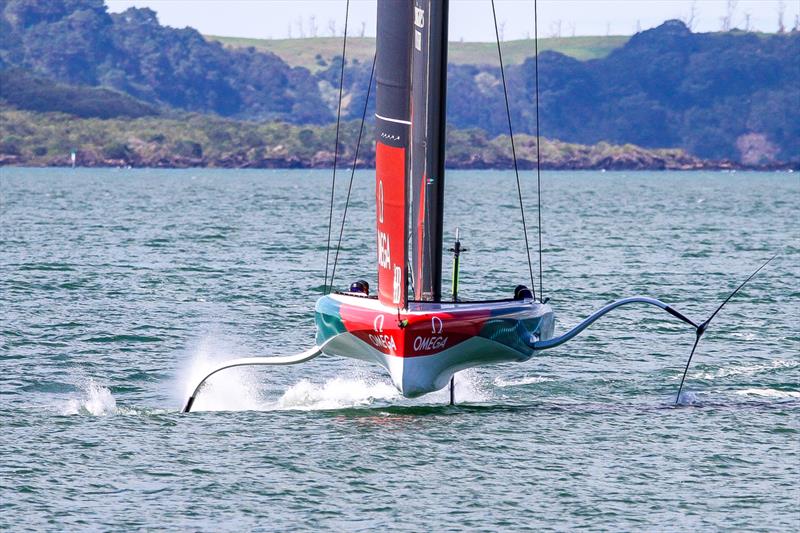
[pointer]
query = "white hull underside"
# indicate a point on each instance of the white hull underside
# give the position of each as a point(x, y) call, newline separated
point(415, 376)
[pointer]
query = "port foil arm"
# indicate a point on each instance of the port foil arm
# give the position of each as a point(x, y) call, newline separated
point(302, 357)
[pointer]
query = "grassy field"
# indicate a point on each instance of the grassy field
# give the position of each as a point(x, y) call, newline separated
point(314, 53)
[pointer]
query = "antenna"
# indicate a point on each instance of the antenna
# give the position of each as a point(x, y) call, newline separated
point(513, 150)
point(538, 143)
point(325, 289)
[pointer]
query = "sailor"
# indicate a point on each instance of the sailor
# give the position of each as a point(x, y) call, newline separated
point(521, 292)
point(360, 287)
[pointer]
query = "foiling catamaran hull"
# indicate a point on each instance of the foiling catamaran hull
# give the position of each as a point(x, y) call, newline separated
point(421, 347)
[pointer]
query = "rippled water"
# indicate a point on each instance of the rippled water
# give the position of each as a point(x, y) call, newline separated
point(118, 286)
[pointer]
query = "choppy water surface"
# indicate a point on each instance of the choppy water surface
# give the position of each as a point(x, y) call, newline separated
point(118, 286)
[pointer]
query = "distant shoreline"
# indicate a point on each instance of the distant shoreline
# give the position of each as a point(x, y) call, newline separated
point(37, 139)
point(710, 166)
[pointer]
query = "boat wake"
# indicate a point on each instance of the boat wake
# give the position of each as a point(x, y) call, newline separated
point(336, 393)
point(239, 390)
point(777, 365)
point(245, 389)
point(769, 393)
point(519, 382)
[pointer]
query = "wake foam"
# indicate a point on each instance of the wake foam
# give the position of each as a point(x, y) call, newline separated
point(747, 370)
point(348, 392)
point(239, 390)
point(769, 393)
point(688, 398)
point(470, 388)
point(527, 380)
point(336, 393)
point(95, 400)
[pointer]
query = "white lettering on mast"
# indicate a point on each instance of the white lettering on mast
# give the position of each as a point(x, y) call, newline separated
point(419, 22)
point(397, 291)
point(384, 252)
point(419, 17)
point(380, 201)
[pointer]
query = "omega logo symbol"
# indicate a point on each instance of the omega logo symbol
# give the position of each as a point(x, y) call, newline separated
point(436, 325)
point(377, 324)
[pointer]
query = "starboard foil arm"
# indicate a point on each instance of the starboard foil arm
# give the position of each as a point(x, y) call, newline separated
point(700, 328)
point(588, 321)
point(302, 357)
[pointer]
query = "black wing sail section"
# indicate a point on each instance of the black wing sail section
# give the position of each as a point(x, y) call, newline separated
point(428, 112)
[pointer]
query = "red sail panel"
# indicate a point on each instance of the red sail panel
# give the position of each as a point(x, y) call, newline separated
point(390, 202)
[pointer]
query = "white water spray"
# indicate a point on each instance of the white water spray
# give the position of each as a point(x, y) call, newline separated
point(95, 400)
point(236, 389)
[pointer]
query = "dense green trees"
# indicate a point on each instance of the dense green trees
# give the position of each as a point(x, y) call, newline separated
point(79, 42)
point(665, 87)
point(731, 95)
point(26, 91)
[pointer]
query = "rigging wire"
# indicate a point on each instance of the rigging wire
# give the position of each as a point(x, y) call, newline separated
point(538, 142)
point(353, 170)
point(336, 151)
point(514, 151)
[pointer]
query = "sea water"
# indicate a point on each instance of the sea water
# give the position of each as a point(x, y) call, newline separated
point(119, 287)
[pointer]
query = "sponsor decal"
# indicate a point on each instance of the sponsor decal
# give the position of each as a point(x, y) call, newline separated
point(380, 339)
point(427, 344)
point(383, 341)
point(435, 341)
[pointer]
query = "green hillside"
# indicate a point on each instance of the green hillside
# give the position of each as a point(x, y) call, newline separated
point(315, 53)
